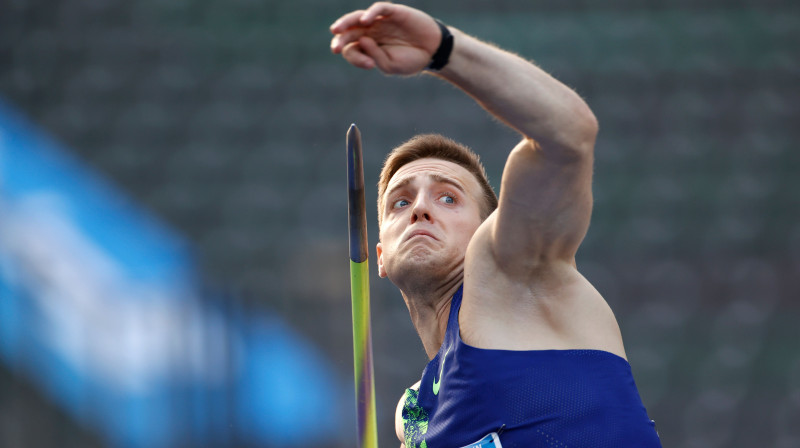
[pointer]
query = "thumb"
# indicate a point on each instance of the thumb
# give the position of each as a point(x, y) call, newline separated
point(371, 48)
point(394, 60)
point(355, 55)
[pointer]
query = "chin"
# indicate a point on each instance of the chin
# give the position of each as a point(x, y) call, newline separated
point(420, 264)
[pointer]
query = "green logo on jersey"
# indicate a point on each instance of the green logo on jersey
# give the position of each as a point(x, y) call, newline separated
point(441, 371)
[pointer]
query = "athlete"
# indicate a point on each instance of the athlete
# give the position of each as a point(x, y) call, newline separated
point(524, 352)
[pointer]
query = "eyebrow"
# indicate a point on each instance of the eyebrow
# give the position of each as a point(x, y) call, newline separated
point(438, 178)
point(446, 180)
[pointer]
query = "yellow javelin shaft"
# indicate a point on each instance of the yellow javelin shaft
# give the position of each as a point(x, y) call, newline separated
point(362, 355)
point(359, 291)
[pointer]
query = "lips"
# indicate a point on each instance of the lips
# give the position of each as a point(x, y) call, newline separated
point(420, 233)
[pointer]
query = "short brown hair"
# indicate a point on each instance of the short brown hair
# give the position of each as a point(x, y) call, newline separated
point(438, 147)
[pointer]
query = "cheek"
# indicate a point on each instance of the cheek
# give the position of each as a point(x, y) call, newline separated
point(390, 235)
point(468, 229)
point(465, 230)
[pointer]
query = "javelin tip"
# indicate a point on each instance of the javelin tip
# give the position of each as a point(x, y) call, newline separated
point(357, 216)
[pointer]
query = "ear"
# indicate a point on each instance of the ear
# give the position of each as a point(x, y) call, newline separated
point(379, 251)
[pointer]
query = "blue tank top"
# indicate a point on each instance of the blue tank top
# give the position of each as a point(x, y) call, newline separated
point(471, 397)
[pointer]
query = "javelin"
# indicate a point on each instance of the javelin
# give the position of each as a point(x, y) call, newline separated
point(359, 292)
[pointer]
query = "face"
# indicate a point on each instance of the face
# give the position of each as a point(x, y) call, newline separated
point(431, 210)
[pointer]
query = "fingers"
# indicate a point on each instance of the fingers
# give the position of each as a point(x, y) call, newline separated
point(386, 36)
point(355, 55)
point(347, 21)
point(362, 17)
point(380, 9)
point(339, 41)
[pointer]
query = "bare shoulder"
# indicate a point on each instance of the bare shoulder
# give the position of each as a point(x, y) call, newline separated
point(552, 307)
point(398, 415)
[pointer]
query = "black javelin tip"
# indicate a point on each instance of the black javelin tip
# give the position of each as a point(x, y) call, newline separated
point(357, 217)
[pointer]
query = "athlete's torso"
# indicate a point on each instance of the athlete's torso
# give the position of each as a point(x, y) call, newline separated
point(539, 398)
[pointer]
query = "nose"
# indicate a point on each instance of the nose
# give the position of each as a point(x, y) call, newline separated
point(421, 210)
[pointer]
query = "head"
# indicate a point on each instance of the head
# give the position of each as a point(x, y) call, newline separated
point(436, 146)
point(433, 194)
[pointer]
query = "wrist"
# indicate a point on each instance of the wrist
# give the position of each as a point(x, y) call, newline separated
point(441, 56)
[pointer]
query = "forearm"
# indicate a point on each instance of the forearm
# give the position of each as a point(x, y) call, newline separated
point(400, 40)
point(520, 94)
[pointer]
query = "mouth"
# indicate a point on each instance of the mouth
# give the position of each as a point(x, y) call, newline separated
point(421, 233)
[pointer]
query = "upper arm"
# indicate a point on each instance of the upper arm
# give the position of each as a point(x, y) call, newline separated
point(544, 207)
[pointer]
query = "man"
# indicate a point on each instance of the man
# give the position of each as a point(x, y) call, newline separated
point(524, 351)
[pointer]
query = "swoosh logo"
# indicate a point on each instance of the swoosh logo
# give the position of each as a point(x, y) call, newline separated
point(436, 383)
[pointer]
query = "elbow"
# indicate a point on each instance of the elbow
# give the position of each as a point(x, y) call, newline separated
point(586, 132)
point(568, 136)
point(576, 141)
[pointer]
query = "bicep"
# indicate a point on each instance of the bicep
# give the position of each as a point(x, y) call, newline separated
point(544, 207)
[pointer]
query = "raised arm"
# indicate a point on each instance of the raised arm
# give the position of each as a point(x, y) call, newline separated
point(545, 200)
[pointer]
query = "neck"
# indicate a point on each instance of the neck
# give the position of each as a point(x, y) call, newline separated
point(429, 309)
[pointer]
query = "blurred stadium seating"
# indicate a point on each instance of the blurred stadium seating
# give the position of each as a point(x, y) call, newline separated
point(227, 120)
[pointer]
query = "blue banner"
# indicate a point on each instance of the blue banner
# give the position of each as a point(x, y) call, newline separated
point(100, 307)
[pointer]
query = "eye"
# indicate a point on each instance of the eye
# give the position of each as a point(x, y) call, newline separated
point(400, 203)
point(447, 198)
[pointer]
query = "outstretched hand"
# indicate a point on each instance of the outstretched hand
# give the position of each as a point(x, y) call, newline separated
point(397, 39)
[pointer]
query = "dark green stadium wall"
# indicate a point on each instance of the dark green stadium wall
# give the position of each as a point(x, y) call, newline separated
point(228, 120)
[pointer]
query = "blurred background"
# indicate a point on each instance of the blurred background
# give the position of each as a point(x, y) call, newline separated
point(173, 240)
